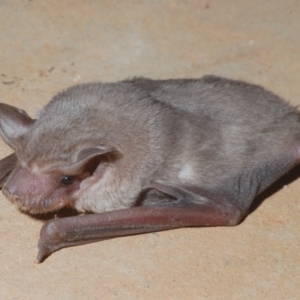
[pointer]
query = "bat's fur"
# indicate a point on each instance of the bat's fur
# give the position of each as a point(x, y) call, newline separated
point(211, 132)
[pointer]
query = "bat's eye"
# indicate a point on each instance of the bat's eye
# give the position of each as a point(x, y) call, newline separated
point(66, 180)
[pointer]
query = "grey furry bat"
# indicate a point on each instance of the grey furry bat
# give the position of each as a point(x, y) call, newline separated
point(146, 155)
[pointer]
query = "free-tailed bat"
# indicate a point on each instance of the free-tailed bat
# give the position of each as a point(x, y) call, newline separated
point(145, 155)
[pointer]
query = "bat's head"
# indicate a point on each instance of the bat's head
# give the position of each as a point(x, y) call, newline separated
point(54, 168)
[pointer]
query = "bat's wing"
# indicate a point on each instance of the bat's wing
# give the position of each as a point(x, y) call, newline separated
point(193, 207)
point(189, 206)
point(7, 164)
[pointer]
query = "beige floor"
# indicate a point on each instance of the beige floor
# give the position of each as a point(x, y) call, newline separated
point(46, 46)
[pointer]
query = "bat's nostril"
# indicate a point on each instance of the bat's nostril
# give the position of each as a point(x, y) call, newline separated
point(10, 195)
point(5, 192)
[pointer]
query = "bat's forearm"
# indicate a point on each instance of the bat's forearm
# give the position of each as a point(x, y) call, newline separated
point(66, 232)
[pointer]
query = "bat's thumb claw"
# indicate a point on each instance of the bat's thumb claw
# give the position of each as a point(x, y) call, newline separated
point(43, 252)
point(49, 240)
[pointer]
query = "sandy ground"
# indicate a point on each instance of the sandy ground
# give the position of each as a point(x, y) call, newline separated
point(46, 46)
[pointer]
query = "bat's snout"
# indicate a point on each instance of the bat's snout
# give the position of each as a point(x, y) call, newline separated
point(32, 191)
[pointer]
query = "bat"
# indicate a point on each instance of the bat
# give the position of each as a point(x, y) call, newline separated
point(144, 155)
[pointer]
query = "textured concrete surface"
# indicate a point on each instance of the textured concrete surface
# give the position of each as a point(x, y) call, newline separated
point(46, 46)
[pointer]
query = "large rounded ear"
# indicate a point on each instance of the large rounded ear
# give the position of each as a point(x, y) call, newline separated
point(83, 157)
point(14, 123)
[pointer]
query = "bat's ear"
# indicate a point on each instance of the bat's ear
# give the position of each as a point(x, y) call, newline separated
point(14, 123)
point(86, 155)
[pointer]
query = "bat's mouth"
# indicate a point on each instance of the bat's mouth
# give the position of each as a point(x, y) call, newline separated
point(41, 208)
